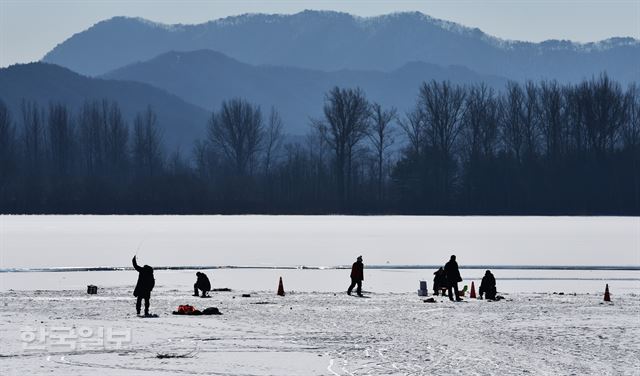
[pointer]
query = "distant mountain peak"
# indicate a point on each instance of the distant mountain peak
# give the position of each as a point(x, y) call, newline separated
point(331, 41)
point(160, 25)
point(135, 21)
point(307, 14)
point(376, 21)
point(242, 19)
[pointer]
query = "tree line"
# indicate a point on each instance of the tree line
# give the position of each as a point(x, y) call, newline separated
point(532, 148)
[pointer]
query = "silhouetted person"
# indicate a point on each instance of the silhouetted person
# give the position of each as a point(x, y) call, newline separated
point(357, 276)
point(144, 286)
point(439, 281)
point(453, 277)
point(201, 284)
point(488, 286)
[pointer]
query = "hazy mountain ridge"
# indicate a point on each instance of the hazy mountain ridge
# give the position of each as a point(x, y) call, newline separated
point(386, 19)
point(332, 41)
point(43, 83)
point(206, 78)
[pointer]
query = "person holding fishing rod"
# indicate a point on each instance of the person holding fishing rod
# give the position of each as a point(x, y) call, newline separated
point(145, 284)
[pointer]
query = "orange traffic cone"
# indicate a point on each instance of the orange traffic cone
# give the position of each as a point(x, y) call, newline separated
point(472, 294)
point(280, 288)
point(607, 298)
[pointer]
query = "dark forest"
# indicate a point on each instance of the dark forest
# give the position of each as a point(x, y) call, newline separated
point(536, 148)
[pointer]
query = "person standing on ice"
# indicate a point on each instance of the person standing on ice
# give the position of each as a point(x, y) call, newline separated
point(488, 286)
point(452, 274)
point(145, 284)
point(202, 283)
point(357, 276)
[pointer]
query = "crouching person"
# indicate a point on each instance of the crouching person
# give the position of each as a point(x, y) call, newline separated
point(202, 284)
point(145, 284)
point(439, 281)
point(488, 286)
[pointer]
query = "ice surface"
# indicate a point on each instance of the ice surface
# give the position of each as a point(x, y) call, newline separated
point(321, 333)
point(317, 329)
point(83, 241)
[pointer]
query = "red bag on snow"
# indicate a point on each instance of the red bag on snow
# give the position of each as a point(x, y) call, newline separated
point(185, 309)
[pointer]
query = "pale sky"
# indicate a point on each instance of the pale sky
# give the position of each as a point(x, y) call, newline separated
point(31, 28)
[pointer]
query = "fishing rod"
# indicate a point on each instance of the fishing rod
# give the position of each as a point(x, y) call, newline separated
point(139, 247)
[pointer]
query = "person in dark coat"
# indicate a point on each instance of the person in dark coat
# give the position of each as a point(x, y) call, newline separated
point(488, 286)
point(145, 284)
point(202, 283)
point(357, 276)
point(453, 277)
point(439, 281)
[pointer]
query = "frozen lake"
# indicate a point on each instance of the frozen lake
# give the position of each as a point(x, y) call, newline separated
point(267, 241)
point(314, 333)
point(90, 241)
point(316, 328)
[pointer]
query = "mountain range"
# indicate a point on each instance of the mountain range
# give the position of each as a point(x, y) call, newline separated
point(289, 62)
point(206, 78)
point(326, 40)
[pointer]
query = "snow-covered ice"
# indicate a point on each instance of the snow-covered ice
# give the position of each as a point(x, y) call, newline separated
point(63, 241)
point(317, 329)
point(324, 332)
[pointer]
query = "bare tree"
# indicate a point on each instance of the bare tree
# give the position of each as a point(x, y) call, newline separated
point(414, 128)
point(61, 139)
point(551, 113)
point(480, 136)
point(7, 147)
point(116, 140)
point(316, 146)
point(237, 131)
point(381, 135)
point(33, 137)
point(206, 160)
point(91, 127)
point(481, 122)
point(603, 110)
point(513, 119)
point(345, 124)
point(442, 108)
point(7, 136)
point(147, 144)
point(631, 137)
point(177, 165)
point(273, 140)
point(317, 152)
point(529, 125)
point(631, 128)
